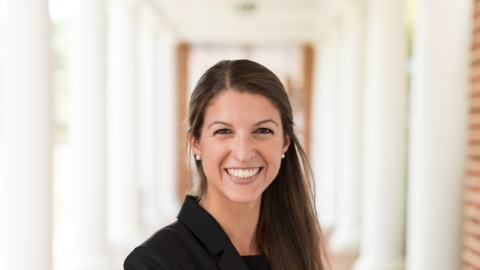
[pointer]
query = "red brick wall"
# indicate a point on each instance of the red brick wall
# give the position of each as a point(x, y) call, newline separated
point(471, 253)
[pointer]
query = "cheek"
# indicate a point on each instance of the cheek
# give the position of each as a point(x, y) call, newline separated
point(272, 154)
point(274, 166)
point(213, 156)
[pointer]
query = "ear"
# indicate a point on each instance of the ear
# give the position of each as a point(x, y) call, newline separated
point(286, 144)
point(194, 144)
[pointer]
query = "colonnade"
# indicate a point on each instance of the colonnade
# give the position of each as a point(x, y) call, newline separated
point(122, 102)
point(389, 163)
point(379, 141)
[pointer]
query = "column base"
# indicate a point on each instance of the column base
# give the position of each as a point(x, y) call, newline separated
point(379, 264)
point(344, 242)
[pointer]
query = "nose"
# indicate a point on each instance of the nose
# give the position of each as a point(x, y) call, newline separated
point(243, 148)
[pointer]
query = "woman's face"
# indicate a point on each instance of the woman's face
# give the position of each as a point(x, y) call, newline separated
point(240, 145)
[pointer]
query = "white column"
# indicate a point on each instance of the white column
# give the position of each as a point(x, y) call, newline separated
point(123, 199)
point(147, 102)
point(167, 201)
point(86, 134)
point(385, 134)
point(345, 238)
point(26, 124)
point(438, 125)
point(324, 128)
point(2, 215)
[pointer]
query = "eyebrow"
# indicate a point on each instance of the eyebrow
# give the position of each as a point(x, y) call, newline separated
point(221, 123)
point(230, 125)
point(265, 121)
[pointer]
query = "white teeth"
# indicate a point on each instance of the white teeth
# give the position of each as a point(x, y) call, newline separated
point(243, 173)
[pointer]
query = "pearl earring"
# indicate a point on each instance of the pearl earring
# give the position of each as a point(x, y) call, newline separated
point(197, 157)
point(283, 155)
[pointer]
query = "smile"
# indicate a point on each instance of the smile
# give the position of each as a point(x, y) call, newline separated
point(243, 173)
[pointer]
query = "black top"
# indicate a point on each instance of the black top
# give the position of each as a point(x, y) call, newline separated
point(194, 242)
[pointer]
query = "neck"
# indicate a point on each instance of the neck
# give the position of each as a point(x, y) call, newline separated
point(238, 220)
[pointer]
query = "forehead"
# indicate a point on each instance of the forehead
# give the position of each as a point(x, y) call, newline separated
point(232, 105)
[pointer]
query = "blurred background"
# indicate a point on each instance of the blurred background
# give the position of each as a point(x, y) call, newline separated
point(93, 100)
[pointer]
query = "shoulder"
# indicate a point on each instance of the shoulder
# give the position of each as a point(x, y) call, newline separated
point(173, 234)
point(145, 258)
point(163, 250)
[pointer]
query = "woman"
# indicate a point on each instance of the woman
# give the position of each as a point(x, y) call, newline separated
point(253, 206)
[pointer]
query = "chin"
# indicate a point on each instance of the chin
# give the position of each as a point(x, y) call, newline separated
point(244, 197)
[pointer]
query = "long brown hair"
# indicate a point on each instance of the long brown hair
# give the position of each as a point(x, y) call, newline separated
point(288, 231)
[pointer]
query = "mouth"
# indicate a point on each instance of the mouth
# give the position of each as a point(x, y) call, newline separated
point(244, 173)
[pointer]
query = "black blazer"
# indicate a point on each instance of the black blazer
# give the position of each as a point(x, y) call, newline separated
point(194, 242)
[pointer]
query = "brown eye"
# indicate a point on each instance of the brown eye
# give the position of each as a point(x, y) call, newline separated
point(222, 131)
point(264, 131)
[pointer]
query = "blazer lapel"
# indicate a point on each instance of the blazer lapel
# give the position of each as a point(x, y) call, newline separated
point(211, 235)
point(230, 259)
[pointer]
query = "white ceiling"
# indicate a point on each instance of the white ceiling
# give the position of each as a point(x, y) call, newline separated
point(243, 21)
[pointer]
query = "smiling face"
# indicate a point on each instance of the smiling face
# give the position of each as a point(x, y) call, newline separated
point(240, 146)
